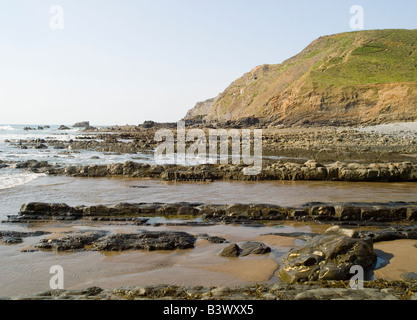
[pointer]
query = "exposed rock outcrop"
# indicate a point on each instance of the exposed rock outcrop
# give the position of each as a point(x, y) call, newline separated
point(310, 170)
point(329, 256)
point(83, 124)
point(342, 212)
point(147, 240)
point(245, 249)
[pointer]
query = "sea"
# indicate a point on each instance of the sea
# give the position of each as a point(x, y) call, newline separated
point(10, 135)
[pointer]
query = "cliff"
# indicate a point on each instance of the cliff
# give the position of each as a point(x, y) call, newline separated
point(364, 77)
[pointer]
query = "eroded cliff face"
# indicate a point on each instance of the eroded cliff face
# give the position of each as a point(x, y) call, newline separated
point(365, 77)
point(202, 108)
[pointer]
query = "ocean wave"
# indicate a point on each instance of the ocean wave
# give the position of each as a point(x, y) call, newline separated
point(7, 128)
point(13, 179)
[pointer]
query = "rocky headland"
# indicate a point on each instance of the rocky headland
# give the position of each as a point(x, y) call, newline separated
point(353, 78)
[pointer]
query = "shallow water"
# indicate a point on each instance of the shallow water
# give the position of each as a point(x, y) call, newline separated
point(91, 191)
point(28, 272)
point(13, 133)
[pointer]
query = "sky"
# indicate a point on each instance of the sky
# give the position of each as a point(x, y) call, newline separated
point(117, 62)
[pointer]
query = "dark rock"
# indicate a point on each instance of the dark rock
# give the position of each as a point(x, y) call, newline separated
point(15, 237)
point(62, 127)
point(148, 124)
point(248, 248)
point(231, 251)
point(10, 240)
point(323, 211)
point(32, 164)
point(412, 214)
point(246, 122)
point(140, 221)
point(390, 234)
point(299, 235)
point(245, 249)
point(347, 212)
point(177, 209)
point(243, 214)
point(41, 146)
point(298, 213)
point(71, 243)
point(375, 213)
point(212, 239)
point(147, 240)
point(238, 210)
point(93, 291)
point(327, 257)
point(40, 210)
point(83, 124)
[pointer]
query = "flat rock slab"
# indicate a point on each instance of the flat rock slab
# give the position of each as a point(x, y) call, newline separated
point(212, 239)
point(102, 241)
point(15, 237)
point(72, 242)
point(147, 240)
point(298, 235)
point(244, 214)
point(390, 234)
point(344, 294)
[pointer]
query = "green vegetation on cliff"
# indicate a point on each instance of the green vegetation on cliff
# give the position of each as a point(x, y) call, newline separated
point(348, 78)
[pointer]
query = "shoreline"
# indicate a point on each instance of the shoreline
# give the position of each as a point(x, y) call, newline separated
point(331, 290)
point(140, 226)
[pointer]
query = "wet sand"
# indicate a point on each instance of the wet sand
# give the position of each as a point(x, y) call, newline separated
point(251, 269)
point(28, 272)
point(277, 240)
point(401, 256)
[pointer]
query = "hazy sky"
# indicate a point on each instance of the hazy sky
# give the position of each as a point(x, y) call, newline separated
point(127, 61)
